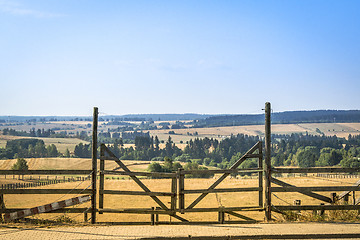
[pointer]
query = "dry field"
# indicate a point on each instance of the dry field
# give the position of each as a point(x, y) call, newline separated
point(61, 143)
point(70, 163)
point(329, 129)
point(212, 200)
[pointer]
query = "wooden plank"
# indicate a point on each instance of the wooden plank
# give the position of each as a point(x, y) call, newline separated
point(169, 212)
point(229, 171)
point(315, 170)
point(222, 190)
point(63, 210)
point(142, 193)
point(267, 167)
point(45, 172)
point(305, 192)
point(181, 189)
point(94, 166)
point(260, 176)
point(146, 189)
point(147, 174)
point(174, 192)
point(240, 216)
point(218, 181)
point(315, 189)
point(315, 207)
point(45, 191)
point(101, 180)
point(346, 192)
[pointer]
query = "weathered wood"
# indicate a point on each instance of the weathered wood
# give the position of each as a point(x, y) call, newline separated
point(63, 210)
point(301, 190)
point(45, 172)
point(218, 181)
point(229, 171)
point(315, 170)
point(138, 182)
point(267, 168)
point(101, 180)
point(315, 189)
point(94, 166)
point(222, 190)
point(260, 175)
point(316, 207)
point(181, 177)
point(46, 191)
point(241, 216)
point(141, 193)
point(347, 191)
point(147, 174)
point(174, 192)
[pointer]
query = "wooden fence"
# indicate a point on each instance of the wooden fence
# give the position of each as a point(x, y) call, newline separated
point(29, 188)
point(265, 172)
point(178, 190)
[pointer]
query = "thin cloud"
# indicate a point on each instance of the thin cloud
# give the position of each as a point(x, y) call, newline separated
point(18, 9)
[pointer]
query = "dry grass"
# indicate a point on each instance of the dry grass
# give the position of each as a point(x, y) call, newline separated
point(329, 129)
point(212, 200)
point(61, 143)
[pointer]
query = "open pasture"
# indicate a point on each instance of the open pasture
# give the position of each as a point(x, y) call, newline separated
point(61, 143)
point(329, 129)
point(163, 185)
point(70, 164)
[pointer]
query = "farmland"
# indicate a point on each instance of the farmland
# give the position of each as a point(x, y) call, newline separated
point(212, 200)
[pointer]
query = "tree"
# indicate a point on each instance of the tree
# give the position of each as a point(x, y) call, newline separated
point(20, 164)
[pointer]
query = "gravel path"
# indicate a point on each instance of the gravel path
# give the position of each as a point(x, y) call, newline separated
point(225, 231)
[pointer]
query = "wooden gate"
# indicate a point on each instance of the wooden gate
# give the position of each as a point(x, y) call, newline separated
point(178, 192)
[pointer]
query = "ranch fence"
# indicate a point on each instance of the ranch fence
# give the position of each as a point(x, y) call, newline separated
point(178, 192)
point(176, 207)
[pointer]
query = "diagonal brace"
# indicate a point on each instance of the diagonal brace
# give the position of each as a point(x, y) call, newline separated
point(305, 192)
point(234, 166)
point(137, 180)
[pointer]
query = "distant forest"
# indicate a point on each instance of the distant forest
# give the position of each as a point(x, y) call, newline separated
point(318, 116)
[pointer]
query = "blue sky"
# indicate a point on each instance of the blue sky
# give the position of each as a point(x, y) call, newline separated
point(63, 57)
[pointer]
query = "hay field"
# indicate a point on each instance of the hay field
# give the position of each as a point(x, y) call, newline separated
point(329, 129)
point(71, 163)
point(212, 200)
point(61, 143)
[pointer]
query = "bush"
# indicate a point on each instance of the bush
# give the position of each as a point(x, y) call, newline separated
point(20, 164)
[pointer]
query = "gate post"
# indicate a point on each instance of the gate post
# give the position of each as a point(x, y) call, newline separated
point(267, 161)
point(181, 189)
point(94, 166)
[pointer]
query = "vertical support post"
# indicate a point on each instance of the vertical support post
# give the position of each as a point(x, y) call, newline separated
point(94, 166)
point(267, 161)
point(260, 175)
point(181, 189)
point(152, 217)
point(173, 191)
point(101, 183)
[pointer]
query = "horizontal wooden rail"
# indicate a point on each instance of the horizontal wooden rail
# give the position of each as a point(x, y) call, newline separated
point(45, 172)
point(137, 193)
point(216, 171)
point(161, 211)
point(149, 174)
point(45, 191)
point(316, 207)
point(63, 210)
point(315, 170)
point(315, 189)
point(222, 190)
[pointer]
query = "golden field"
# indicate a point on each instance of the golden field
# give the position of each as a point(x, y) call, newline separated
point(163, 185)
